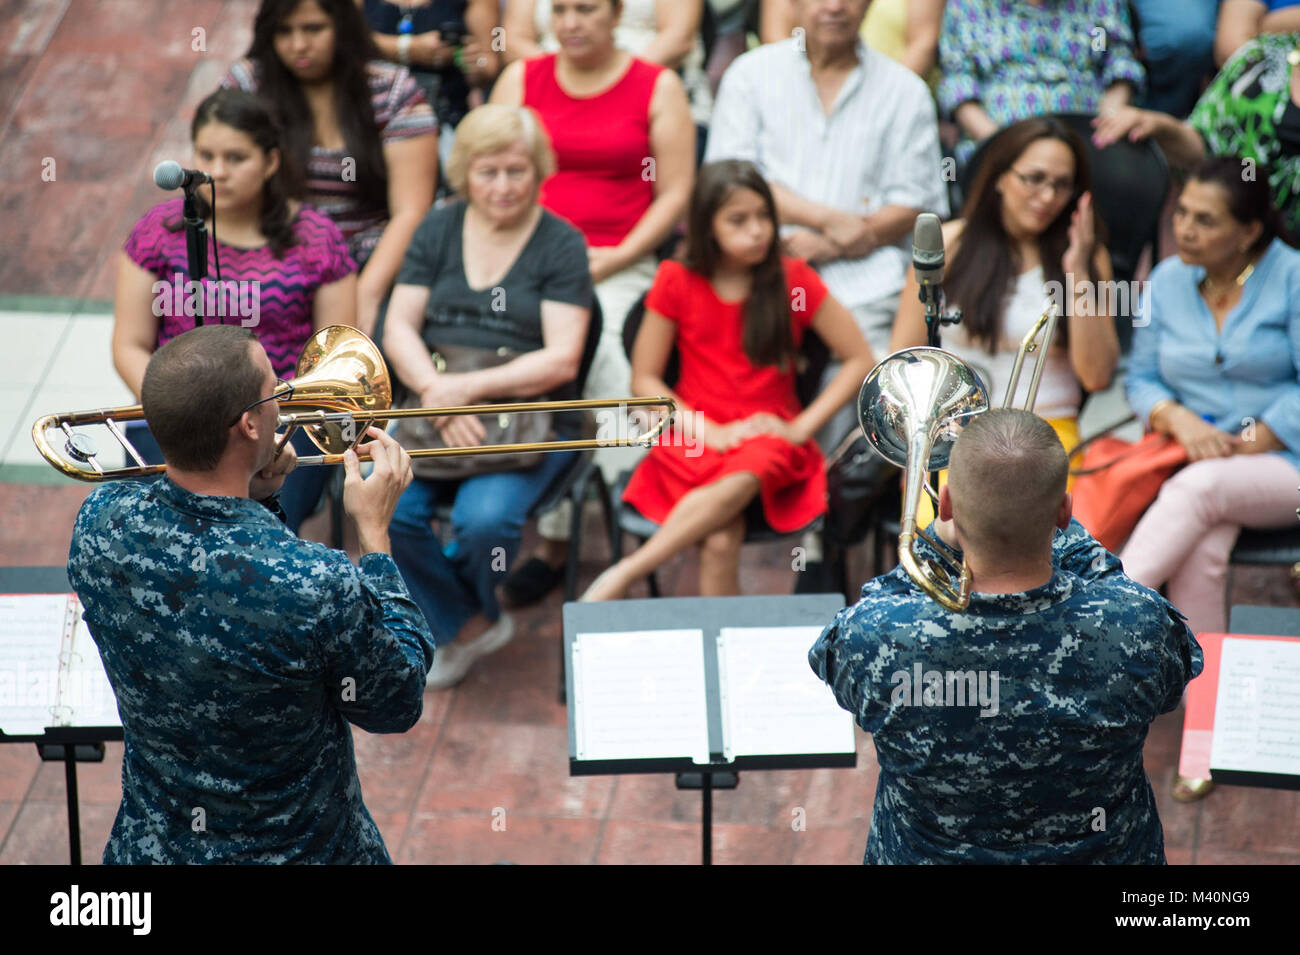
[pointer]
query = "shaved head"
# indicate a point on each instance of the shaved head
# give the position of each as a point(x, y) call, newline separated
point(1006, 479)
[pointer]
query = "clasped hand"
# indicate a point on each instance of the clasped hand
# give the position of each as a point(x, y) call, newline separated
point(724, 437)
point(450, 390)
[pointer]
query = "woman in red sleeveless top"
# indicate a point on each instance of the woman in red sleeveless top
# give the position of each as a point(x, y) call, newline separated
point(625, 154)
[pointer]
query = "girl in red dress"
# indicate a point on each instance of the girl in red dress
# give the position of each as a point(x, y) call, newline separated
point(737, 310)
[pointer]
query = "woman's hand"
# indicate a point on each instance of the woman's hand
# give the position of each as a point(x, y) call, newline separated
point(1127, 122)
point(1258, 438)
point(427, 49)
point(451, 390)
point(1077, 259)
point(1199, 438)
point(604, 262)
point(477, 62)
point(763, 423)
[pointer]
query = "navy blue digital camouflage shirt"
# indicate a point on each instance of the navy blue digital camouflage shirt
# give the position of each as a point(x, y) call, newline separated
point(1012, 732)
point(239, 654)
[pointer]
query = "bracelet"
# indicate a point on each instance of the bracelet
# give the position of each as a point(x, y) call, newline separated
point(1159, 406)
point(404, 49)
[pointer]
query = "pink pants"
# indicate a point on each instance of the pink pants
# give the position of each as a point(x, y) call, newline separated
point(1184, 539)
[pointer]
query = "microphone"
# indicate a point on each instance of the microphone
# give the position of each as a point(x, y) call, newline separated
point(171, 175)
point(927, 250)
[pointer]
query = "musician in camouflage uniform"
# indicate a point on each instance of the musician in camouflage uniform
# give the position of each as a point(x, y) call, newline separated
point(1011, 732)
point(239, 653)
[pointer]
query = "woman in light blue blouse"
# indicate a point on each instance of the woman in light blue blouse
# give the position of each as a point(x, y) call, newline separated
point(1218, 367)
point(1006, 60)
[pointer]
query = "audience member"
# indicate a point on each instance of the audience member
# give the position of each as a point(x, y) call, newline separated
point(1177, 41)
point(737, 312)
point(1027, 236)
point(849, 142)
point(1003, 61)
point(285, 269)
point(1214, 365)
point(625, 148)
point(448, 47)
point(358, 125)
point(903, 30)
point(1248, 111)
point(666, 32)
point(493, 272)
point(1240, 21)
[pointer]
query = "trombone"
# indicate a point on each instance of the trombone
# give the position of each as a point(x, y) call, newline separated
point(342, 386)
point(911, 408)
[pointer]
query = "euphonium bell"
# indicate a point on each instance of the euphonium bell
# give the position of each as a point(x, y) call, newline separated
point(911, 408)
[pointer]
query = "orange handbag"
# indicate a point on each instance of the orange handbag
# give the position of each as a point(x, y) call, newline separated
point(1118, 480)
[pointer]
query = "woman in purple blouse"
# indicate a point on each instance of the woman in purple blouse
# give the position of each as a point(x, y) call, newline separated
point(285, 270)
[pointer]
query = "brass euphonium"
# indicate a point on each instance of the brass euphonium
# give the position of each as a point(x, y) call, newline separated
point(342, 386)
point(911, 408)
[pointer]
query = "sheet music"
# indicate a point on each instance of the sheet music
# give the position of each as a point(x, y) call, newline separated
point(772, 702)
point(88, 696)
point(31, 634)
point(640, 695)
point(1257, 713)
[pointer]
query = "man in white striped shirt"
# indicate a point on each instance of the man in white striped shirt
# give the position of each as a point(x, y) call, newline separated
point(849, 142)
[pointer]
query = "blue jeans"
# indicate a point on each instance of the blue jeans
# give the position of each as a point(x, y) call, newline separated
point(454, 583)
point(1178, 36)
point(299, 495)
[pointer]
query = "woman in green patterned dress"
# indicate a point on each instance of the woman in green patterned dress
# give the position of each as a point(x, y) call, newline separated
point(1251, 109)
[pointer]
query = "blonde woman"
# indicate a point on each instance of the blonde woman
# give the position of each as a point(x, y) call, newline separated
point(494, 270)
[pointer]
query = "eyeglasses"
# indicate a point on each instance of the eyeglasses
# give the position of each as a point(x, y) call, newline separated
point(1037, 180)
point(283, 391)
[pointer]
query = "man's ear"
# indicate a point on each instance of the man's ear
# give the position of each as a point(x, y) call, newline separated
point(945, 504)
point(1065, 512)
point(247, 427)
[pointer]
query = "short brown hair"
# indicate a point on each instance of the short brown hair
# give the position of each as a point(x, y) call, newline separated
point(1006, 477)
point(194, 385)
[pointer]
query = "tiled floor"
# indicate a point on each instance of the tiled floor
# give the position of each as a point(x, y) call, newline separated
point(102, 88)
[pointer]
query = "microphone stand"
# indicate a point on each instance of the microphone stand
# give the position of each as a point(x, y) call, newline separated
point(196, 246)
point(931, 296)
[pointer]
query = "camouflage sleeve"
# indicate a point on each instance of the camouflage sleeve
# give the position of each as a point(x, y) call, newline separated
point(1076, 551)
point(840, 658)
point(1182, 661)
point(377, 646)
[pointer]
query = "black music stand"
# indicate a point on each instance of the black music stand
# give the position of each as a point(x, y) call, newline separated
point(67, 744)
point(709, 615)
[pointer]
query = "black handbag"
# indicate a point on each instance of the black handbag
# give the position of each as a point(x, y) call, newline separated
point(520, 428)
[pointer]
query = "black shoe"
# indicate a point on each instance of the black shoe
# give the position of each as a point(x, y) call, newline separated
point(532, 581)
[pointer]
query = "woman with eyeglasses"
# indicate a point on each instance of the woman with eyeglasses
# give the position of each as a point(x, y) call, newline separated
point(285, 268)
point(1027, 234)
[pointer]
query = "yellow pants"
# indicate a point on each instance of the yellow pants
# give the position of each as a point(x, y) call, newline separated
point(1067, 429)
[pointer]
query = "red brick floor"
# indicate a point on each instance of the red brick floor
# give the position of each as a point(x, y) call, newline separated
point(483, 777)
